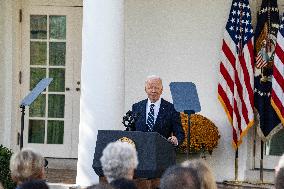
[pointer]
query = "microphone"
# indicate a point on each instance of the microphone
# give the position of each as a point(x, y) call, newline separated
point(129, 120)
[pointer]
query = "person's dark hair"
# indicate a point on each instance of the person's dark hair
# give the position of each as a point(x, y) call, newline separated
point(177, 177)
point(100, 186)
point(34, 184)
point(123, 183)
point(279, 180)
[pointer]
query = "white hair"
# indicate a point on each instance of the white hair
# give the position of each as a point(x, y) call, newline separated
point(26, 165)
point(152, 77)
point(118, 159)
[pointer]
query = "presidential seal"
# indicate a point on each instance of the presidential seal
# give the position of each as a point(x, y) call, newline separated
point(128, 140)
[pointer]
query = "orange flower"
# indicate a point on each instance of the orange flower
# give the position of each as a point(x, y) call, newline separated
point(204, 135)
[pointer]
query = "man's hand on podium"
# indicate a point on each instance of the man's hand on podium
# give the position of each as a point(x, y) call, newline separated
point(173, 140)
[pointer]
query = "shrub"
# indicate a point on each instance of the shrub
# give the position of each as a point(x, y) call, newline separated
point(5, 173)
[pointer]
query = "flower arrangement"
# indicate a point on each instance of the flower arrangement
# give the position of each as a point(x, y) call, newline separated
point(204, 135)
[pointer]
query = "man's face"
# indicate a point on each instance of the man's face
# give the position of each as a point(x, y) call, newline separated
point(154, 89)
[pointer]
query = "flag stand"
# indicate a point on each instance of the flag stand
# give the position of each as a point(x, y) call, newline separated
point(236, 165)
point(254, 145)
point(261, 163)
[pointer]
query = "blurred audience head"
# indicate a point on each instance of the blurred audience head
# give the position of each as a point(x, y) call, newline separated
point(204, 173)
point(178, 177)
point(123, 184)
point(280, 164)
point(279, 179)
point(119, 160)
point(279, 171)
point(26, 165)
point(34, 184)
point(100, 186)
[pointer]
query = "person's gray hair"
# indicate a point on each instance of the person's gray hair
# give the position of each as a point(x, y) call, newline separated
point(26, 165)
point(153, 77)
point(204, 173)
point(179, 177)
point(118, 159)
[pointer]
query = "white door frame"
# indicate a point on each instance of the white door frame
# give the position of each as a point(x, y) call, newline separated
point(73, 64)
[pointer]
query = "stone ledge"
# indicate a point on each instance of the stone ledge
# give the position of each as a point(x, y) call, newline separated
point(62, 186)
point(66, 176)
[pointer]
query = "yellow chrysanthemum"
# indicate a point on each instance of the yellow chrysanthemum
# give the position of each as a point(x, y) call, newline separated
point(204, 135)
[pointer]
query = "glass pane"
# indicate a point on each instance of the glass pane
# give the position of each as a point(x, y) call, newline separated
point(37, 108)
point(58, 82)
point(36, 131)
point(56, 105)
point(38, 26)
point(55, 132)
point(275, 146)
point(57, 27)
point(36, 74)
point(57, 53)
point(38, 53)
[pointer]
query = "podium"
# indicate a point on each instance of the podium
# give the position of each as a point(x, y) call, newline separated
point(155, 153)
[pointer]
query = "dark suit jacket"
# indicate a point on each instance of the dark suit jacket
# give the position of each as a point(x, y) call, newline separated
point(167, 122)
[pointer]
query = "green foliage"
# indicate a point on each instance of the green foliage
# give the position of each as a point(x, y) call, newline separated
point(5, 174)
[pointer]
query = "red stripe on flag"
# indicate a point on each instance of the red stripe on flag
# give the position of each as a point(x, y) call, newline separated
point(224, 97)
point(236, 110)
point(251, 53)
point(227, 77)
point(279, 52)
point(247, 80)
point(227, 51)
point(279, 78)
point(240, 93)
point(277, 102)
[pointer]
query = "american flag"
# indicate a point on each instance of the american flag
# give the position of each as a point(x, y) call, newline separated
point(235, 88)
point(277, 92)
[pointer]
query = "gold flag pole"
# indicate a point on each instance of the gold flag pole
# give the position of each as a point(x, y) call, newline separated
point(236, 165)
point(254, 145)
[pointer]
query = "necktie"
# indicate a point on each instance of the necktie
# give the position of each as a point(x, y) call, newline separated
point(150, 119)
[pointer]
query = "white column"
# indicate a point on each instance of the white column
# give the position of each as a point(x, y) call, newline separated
point(102, 95)
point(7, 44)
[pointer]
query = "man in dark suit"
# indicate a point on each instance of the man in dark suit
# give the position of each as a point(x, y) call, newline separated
point(156, 114)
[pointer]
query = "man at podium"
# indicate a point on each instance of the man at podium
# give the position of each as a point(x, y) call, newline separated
point(156, 114)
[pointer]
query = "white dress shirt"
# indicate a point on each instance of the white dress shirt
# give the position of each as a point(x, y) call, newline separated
point(156, 109)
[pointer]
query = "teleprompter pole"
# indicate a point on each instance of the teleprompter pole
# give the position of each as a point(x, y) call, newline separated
point(22, 126)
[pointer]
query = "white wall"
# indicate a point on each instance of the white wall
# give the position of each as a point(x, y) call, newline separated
point(180, 41)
